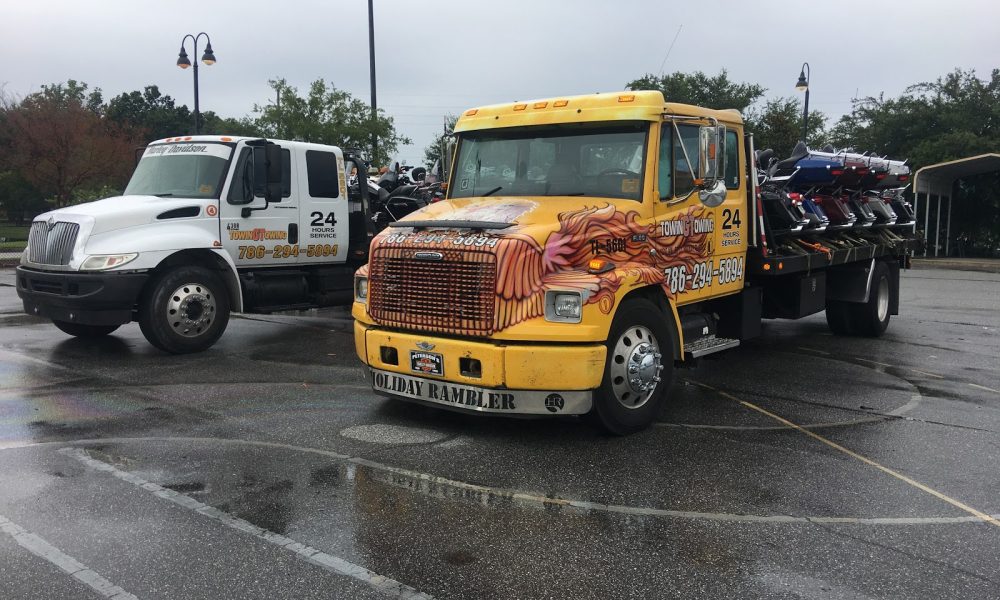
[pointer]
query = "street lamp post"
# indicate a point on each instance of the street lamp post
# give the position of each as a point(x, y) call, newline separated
point(371, 68)
point(183, 62)
point(803, 86)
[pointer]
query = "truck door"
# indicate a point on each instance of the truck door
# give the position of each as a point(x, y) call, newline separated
point(733, 220)
point(323, 229)
point(266, 236)
point(696, 230)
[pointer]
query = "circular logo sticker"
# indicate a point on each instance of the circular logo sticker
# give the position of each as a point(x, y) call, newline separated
point(211, 210)
point(554, 403)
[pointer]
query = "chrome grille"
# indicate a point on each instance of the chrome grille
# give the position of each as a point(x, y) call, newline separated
point(452, 295)
point(52, 246)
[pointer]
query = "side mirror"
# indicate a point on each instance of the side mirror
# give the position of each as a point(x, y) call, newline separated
point(713, 194)
point(418, 174)
point(267, 172)
point(712, 154)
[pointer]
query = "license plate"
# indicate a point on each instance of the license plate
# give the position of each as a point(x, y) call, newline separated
point(426, 363)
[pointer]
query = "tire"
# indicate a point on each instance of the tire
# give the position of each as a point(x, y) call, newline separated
point(871, 318)
point(84, 331)
point(640, 336)
point(838, 317)
point(186, 309)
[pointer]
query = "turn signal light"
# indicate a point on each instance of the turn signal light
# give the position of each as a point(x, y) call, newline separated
point(626, 98)
point(599, 265)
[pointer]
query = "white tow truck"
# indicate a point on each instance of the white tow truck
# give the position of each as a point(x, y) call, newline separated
point(207, 225)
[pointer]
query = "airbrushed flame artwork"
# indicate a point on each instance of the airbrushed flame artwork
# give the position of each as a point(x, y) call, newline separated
point(526, 266)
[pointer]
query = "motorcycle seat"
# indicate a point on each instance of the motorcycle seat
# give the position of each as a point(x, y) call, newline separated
point(798, 153)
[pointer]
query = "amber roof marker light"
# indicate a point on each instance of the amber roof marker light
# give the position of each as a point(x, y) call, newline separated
point(184, 62)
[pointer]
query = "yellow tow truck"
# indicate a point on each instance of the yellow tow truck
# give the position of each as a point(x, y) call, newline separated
point(587, 246)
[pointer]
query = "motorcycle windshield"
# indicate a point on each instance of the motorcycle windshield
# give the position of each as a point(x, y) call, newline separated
point(603, 160)
point(186, 170)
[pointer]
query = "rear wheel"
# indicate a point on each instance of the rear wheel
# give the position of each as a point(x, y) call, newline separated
point(638, 369)
point(872, 318)
point(186, 309)
point(869, 318)
point(838, 317)
point(84, 331)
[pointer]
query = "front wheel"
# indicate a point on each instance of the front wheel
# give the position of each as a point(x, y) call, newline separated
point(186, 309)
point(84, 331)
point(638, 369)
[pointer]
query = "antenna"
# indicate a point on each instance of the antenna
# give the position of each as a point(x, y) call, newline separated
point(663, 64)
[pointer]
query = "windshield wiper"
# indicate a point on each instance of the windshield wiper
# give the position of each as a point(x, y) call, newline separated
point(164, 195)
point(493, 191)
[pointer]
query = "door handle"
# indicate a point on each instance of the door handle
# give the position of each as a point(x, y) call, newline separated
point(293, 233)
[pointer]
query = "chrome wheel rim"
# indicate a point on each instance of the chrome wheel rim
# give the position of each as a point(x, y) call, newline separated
point(636, 363)
point(191, 310)
point(883, 299)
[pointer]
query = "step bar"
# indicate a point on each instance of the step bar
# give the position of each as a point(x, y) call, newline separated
point(708, 345)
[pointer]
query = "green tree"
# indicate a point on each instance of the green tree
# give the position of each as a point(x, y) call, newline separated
point(778, 125)
point(439, 146)
point(19, 200)
point(327, 115)
point(697, 88)
point(149, 114)
point(955, 116)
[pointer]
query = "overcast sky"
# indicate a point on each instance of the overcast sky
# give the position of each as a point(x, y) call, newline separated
point(443, 56)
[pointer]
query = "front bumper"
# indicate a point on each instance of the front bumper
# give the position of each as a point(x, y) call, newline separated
point(481, 399)
point(539, 379)
point(86, 298)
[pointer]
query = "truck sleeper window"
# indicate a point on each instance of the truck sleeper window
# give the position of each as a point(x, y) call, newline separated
point(603, 161)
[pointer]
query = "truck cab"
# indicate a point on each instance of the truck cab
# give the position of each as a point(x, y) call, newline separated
point(575, 232)
point(206, 225)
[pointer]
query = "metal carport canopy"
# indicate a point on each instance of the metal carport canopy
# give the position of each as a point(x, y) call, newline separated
point(937, 180)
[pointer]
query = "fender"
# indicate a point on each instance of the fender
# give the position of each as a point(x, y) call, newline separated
point(646, 281)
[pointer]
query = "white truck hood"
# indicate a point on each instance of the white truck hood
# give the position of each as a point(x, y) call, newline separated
point(121, 212)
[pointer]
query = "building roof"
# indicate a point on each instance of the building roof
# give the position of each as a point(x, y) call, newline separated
point(939, 177)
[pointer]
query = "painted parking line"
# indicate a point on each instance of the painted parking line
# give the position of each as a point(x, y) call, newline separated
point(956, 503)
point(983, 387)
point(872, 362)
point(39, 547)
point(385, 585)
point(934, 375)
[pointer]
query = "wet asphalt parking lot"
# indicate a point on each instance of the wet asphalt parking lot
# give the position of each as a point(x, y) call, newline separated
point(800, 465)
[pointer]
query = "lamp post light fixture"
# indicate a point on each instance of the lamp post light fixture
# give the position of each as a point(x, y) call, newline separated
point(803, 86)
point(183, 62)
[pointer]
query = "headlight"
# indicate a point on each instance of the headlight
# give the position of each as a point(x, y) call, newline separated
point(563, 307)
point(361, 289)
point(100, 262)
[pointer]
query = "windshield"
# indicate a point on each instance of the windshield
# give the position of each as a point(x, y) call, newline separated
point(561, 160)
point(195, 170)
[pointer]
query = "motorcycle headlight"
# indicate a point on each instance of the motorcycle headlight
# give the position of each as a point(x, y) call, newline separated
point(101, 262)
point(361, 289)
